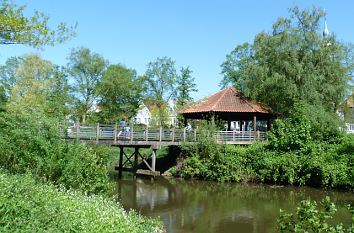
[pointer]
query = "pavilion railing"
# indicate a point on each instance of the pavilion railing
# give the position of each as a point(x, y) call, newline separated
point(101, 132)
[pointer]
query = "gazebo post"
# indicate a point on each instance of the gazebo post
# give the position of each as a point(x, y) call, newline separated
point(255, 127)
point(185, 121)
point(241, 123)
point(229, 125)
point(212, 119)
point(254, 123)
point(268, 124)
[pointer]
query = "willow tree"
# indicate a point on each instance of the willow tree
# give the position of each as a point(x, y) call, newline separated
point(294, 62)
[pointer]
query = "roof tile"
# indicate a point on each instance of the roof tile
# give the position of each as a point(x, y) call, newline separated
point(226, 100)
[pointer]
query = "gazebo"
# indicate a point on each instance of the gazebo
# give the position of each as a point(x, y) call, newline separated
point(229, 105)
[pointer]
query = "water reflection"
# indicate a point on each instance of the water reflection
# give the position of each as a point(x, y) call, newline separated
point(195, 206)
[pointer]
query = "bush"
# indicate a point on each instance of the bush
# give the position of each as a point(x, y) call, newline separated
point(310, 217)
point(32, 144)
point(320, 164)
point(291, 134)
point(28, 206)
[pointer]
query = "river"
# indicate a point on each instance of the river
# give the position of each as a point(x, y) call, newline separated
point(203, 207)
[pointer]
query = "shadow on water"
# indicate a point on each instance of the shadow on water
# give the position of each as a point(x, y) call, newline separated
point(198, 206)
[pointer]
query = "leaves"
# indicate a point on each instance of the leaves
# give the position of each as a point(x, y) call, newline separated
point(292, 63)
point(311, 217)
point(15, 28)
point(120, 94)
point(87, 69)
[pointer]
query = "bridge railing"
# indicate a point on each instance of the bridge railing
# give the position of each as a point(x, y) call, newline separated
point(349, 128)
point(115, 134)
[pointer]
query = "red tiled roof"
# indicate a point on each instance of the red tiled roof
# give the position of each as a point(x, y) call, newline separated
point(226, 100)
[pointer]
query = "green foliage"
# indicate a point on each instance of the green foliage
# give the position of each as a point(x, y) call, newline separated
point(292, 134)
point(31, 143)
point(59, 100)
point(310, 217)
point(120, 94)
point(294, 63)
point(185, 85)
point(314, 164)
point(29, 206)
point(33, 30)
point(86, 68)
point(36, 85)
point(33, 79)
point(160, 79)
point(3, 99)
point(8, 73)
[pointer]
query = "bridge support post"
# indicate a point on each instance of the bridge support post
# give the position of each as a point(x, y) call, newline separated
point(153, 160)
point(120, 168)
point(136, 157)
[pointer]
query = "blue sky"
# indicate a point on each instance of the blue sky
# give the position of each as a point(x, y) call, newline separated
point(195, 33)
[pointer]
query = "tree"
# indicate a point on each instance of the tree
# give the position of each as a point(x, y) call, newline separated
point(33, 80)
point(34, 31)
point(293, 63)
point(3, 99)
point(160, 79)
point(120, 93)
point(86, 68)
point(185, 85)
point(59, 99)
point(8, 73)
point(7, 79)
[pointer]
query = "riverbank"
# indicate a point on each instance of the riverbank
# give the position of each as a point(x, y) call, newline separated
point(326, 165)
point(49, 185)
point(31, 206)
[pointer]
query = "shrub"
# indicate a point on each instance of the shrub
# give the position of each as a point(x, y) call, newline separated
point(32, 144)
point(310, 217)
point(29, 206)
point(291, 134)
point(320, 165)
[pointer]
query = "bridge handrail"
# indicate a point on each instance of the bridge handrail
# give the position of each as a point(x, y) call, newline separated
point(100, 132)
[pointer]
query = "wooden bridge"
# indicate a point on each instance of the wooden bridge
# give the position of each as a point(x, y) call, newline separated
point(154, 138)
point(113, 135)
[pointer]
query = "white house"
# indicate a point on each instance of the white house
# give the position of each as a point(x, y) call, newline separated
point(143, 116)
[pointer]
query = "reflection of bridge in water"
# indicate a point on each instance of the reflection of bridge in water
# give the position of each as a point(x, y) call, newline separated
point(153, 138)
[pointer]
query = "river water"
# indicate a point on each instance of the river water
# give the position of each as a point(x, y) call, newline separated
point(199, 206)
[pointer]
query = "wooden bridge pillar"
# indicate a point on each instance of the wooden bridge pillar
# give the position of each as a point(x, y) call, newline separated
point(136, 157)
point(120, 170)
point(153, 160)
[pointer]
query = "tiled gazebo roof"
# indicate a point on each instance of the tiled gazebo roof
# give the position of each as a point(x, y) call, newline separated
point(227, 100)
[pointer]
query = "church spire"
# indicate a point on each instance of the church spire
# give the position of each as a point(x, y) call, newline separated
point(325, 29)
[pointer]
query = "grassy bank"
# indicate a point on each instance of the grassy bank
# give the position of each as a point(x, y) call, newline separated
point(29, 206)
